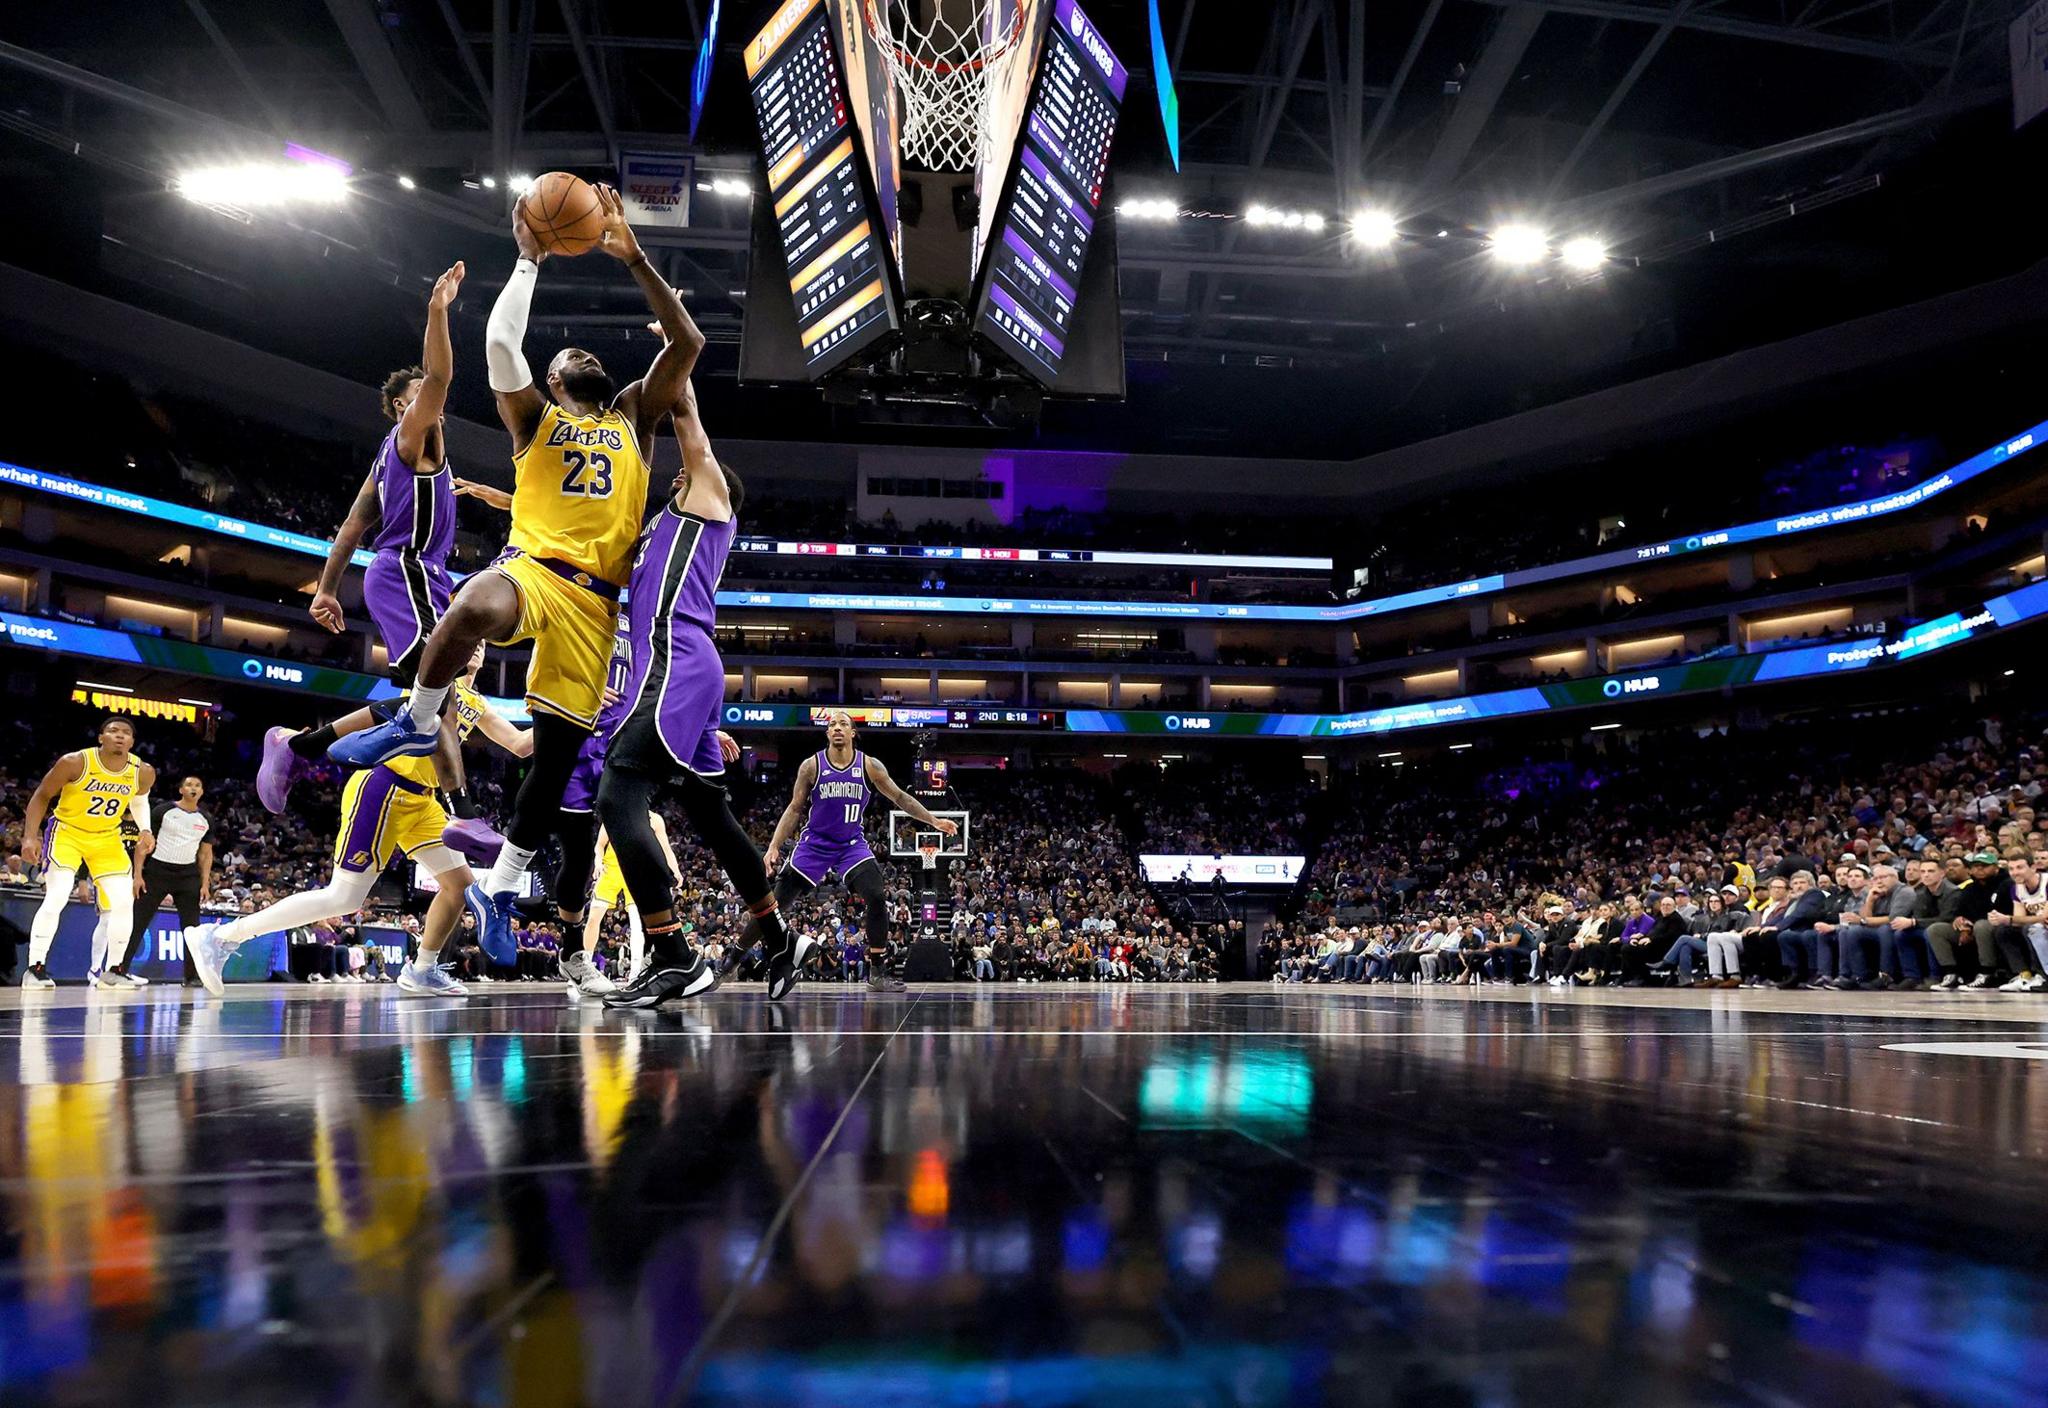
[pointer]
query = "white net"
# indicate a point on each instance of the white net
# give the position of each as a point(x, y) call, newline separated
point(943, 56)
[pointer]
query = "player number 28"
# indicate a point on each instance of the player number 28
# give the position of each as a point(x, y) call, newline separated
point(104, 806)
point(597, 485)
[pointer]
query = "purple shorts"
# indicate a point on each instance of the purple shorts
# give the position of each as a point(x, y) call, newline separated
point(674, 722)
point(405, 597)
point(815, 860)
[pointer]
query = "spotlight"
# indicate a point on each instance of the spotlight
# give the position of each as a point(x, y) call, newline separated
point(1375, 229)
point(1260, 215)
point(249, 185)
point(1584, 254)
point(1148, 208)
point(730, 186)
point(1519, 244)
point(490, 183)
point(520, 184)
point(1266, 215)
point(1313, 222)
point(406, 183)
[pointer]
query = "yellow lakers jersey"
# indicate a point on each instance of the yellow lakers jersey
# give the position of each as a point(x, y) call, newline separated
point(96, 802)
point(469, 711)
point(579, 491)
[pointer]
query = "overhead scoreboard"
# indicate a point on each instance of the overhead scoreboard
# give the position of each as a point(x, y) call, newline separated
point(824, 212)
point(1053, 196)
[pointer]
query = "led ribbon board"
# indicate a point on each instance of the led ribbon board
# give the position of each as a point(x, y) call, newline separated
point(823, 215)
point(1053, 196)
point(205, 661)
point(1764, 530)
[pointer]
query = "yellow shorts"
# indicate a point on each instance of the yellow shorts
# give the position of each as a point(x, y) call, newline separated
point(98, 853)
point(384, 816)
point(611, 886)
point(571, 630)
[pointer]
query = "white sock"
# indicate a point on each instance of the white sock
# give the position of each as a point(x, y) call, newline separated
point(512, 863)
point(639, 944)
point(425, 707)
point(99, 945)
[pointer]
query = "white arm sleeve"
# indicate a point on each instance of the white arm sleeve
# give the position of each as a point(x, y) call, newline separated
point(505, 333)
point(138, 807)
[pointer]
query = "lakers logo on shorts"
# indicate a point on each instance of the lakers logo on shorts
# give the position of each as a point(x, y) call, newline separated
point(359, 859)
point(582, 579)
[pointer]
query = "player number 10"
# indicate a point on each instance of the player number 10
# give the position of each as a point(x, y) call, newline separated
point(853, 813)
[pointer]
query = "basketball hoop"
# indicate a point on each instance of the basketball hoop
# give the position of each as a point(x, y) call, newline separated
point(943, 67)
point(930, 851)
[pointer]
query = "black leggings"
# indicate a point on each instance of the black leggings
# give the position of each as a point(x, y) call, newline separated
point(537, 810)
point(624, 798)
point(578, 831)
point(865, 881)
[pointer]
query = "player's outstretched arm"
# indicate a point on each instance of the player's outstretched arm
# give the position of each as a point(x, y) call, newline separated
point(654, 395)
point(362, 514)
point(437, 361)
point(507, 735)
point(520, 404)
point(785, 827)
point(885, 785)
point(68, 768)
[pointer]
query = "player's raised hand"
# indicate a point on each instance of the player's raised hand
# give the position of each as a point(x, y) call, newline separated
point(449, 284)
point(523, 235)
point(618, 239)
point(326, 609)
point(484, 493)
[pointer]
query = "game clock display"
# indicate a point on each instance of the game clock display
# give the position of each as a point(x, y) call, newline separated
point(823, 214)
point(1053, 197)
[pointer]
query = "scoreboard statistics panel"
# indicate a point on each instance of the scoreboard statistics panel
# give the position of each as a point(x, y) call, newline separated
point(1053, 196)
point(836, 264)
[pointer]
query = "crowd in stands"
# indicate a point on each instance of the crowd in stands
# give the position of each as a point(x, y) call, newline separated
point(1893, 855)
point(1901, 850)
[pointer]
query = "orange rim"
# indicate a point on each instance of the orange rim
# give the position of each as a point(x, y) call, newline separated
point(909, 60)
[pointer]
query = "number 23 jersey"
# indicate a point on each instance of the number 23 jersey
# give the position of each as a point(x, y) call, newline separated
point(579, 492)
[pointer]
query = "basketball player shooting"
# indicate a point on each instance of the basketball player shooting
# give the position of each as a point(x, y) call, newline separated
point(579, 493)
point(831, 796)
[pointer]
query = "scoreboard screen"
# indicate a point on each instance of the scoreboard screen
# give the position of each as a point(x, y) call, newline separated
point(824, 214)
point(1053, 197)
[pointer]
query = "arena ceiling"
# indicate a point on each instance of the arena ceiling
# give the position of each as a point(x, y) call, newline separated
point(1756, 167)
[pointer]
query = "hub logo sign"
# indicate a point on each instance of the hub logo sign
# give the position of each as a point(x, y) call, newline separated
point(273, 673)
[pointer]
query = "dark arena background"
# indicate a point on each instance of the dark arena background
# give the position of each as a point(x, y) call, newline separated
point(1378, 666)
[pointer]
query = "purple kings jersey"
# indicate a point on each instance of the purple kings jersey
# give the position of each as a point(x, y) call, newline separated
point(838, 803)
point(674, 584)
point(418, 509)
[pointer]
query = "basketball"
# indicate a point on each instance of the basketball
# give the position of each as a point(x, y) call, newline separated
point(563, 213)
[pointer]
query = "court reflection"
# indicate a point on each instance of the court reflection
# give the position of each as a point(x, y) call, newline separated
point(1014, 1198)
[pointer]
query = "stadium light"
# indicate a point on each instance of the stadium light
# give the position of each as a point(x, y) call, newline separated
point(730, 186)
point(1459, 747)
point(249, 185)
point(1375, 229)
point(406, 183)
point(1153, 208)
point(1584, 254)
point(1271, 217)
point(490, 183)
point(1519, 244)
point(1602, 728)
point(520, 184)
